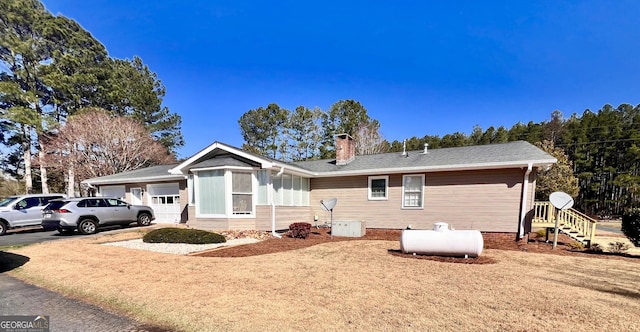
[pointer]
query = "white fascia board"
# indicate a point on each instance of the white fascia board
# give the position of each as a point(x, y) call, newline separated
point(178, 169)
point(290, 169)
point(237, 168)
point(136, 179)
point(264, 163)
point(441, 168)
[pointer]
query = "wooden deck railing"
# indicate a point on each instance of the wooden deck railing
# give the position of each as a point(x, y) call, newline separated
point(571, 222)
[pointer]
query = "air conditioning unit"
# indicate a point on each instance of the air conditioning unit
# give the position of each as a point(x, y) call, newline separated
point(348, 228)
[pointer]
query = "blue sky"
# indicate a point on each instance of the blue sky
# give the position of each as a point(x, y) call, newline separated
point(419, 67)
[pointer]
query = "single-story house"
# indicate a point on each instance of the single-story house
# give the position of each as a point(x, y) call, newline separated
point(487, 187)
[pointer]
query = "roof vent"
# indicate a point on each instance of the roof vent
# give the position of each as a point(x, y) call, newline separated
point(426, 146)
point(404, 147)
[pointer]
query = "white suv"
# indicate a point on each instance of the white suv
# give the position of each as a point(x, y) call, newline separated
point(23, 210)
point(87, 214)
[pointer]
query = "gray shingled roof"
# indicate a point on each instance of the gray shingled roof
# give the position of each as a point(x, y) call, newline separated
point(154, 173)
point(514, 154)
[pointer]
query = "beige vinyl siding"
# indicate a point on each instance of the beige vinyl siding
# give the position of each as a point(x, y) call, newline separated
point(485, 200)
point(285, 215)
point(218, 224)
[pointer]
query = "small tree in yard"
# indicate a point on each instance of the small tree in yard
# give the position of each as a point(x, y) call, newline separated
point(631, 226)
point(559, 177)
point(94, 143)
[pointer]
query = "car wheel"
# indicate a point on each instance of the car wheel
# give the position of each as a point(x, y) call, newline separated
point(144, 219)
point(3, 228)
point(87, 226)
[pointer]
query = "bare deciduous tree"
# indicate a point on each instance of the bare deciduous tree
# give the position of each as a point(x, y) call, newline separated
point(368, 139)
point(94, 143)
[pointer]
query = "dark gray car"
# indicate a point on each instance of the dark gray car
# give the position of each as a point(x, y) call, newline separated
point(87, 214)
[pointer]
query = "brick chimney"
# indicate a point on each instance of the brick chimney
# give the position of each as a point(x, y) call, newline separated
point(345, 149)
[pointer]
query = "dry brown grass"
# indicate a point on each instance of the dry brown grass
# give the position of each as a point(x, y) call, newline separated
point(355, 285)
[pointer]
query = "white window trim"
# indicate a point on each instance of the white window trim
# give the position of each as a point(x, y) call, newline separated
point(196, 175)
point(386, 189)
point(228, 177)
point(421, 207)
point(228, 192)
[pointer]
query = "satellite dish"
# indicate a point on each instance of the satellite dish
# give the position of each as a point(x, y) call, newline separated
point(561, 200)
point(328, 205)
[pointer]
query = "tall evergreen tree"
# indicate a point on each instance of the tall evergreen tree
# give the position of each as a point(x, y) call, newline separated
point(304, 131)
point(135, 91)
point(343, 117)
point(50, 67)
point(261, 128)
point(35, 48)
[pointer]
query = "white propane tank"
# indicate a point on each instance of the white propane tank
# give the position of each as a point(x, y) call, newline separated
point(442, 242)
point(441, 227)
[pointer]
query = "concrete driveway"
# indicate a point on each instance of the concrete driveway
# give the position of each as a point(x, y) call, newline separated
point(65, 314)
point(24, 236)
point(31, 235)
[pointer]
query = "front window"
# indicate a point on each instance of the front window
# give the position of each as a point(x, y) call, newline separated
point(290, 190)
point(412, 191)
point(263, 187)
point(378, 187)
point(210, 193)
point(242, 193)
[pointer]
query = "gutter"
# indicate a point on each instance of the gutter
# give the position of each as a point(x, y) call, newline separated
point(130, 180)
point(435, 168)
point(525, 189)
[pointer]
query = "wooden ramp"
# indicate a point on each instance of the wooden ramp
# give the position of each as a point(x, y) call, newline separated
point(571, 222)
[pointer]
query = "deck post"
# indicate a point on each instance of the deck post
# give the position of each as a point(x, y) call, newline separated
point(555, 232)
point(593, 233)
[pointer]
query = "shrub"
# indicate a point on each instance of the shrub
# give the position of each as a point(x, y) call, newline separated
point(575, 245)
point(541, 233)
point(595, 247)
point(618, 247)
point(631, 226)
point(300, 230)
point(182, 235)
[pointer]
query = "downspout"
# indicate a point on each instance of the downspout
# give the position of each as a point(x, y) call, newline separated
point(525, 189)
point(273, 205)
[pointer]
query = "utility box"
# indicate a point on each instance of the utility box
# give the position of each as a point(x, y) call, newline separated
point(348, 228)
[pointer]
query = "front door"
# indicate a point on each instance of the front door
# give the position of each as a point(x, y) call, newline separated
point(136, 196)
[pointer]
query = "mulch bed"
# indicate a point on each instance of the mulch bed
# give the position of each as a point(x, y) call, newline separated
point(322, 235)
